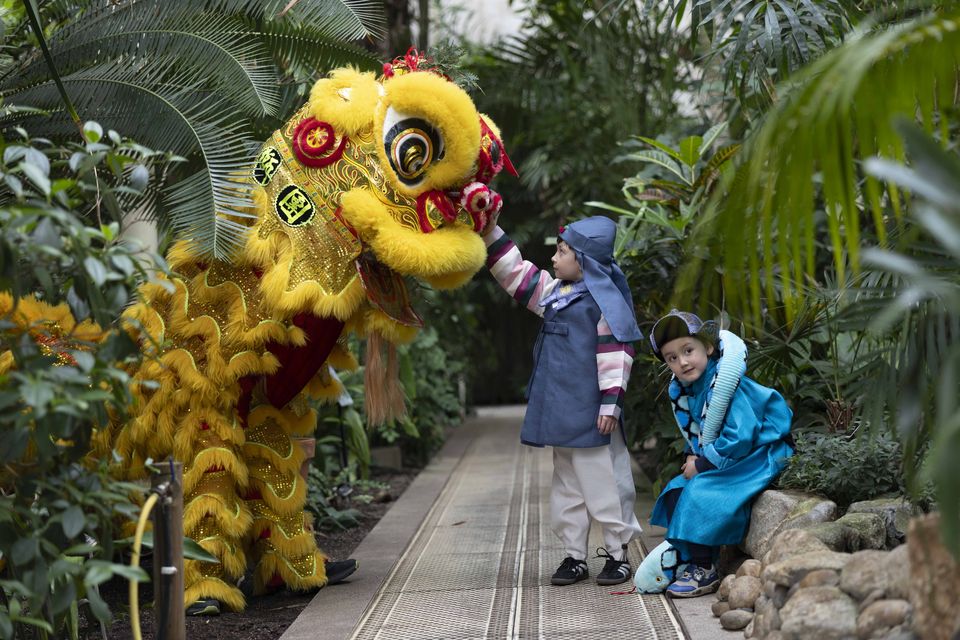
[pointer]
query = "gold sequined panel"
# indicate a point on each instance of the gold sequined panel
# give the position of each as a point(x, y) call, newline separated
point(249, 284)
point(324, 246)
point(269, 434)
point(210, 570)
point(280, 483)
point(206, 528)
point(305, 566)
point(290, 526)
point(213, 482)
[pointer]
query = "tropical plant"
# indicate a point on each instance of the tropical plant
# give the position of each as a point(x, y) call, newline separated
point(63, 363)
point(206, 80)
point(755, 45)
point(799, 182)
point(691, 176)
point(565, 94)
point(922, 385)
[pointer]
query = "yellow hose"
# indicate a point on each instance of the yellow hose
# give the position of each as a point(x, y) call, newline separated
point(135, 562)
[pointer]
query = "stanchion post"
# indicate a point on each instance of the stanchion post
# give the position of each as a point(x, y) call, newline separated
point(169, 620)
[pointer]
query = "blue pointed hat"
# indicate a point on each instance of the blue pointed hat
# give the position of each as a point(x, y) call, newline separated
point(592, 239)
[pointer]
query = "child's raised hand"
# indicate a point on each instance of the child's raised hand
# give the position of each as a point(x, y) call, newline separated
point(491, 223)
point(606, 424)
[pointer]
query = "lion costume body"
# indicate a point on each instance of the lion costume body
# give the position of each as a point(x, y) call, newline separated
point(372, 180)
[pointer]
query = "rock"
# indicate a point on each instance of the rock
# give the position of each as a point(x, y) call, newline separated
point(934, 581)
point(834, 535)
point(882, 615)
point(724, 591)
point(820, 578)
point(852, 532)
point(777, 511)
point(779, 597)
point(871, 531)
point(895, 512)
point(719, 608)
point(744, 592)
point(736, 619)
point(793, 542)
point(824, 613)
point(748, 632)
point(899, 571)
point(767, 617)
point(775, 635)
point(792, 570)
point(750, 568)
point(870, 571)
point(875, 595)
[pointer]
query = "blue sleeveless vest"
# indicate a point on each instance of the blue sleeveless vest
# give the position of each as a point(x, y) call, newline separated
point(563, 393)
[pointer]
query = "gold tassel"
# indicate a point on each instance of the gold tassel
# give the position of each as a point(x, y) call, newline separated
point(383, 394)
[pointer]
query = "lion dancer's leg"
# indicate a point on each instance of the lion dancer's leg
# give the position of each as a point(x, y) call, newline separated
point(283, 545)
point(215, 515)
point(282, 541)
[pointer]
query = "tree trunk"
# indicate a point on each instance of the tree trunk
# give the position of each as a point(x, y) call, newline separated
point(399, 37)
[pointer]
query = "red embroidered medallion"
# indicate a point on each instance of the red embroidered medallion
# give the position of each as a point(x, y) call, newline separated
point(313, 143)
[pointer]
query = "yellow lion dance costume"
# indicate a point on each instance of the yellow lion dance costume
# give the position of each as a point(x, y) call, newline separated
point(374, 178)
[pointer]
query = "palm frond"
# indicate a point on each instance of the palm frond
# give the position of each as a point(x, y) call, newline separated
point(340, 19)
point(133, 100)
point(764, 227)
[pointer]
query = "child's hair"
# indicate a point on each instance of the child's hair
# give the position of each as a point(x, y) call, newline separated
point(681, 324)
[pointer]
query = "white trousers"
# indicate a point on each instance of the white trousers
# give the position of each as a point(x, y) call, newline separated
point(594, 483)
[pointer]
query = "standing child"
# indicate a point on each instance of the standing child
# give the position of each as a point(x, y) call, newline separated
point(708, 504)
point(582, 361)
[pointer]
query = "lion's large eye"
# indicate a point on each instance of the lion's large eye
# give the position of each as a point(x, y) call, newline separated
point(411, 145)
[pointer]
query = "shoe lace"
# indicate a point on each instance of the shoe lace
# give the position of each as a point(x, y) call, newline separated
point(569, 563)
point(611, 563)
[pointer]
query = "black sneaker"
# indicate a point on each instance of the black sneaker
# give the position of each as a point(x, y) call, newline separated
point(206, 607)
point(614, 571)
point(339, 570)
point(570, 571)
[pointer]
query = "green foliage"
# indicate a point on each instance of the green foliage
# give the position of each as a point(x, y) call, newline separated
point(755, 45)
point(845, 469)
point(568, 89)
point(57, 512)
point(799, 192)
point(921, 316)
point(206, 80)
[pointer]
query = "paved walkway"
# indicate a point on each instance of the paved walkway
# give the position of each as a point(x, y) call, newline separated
point(467, 553)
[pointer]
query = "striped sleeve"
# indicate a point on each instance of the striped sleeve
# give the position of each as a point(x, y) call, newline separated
point(614, 360)
point(521, 279)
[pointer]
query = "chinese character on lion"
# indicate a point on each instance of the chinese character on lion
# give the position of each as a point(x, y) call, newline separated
point(375, 178)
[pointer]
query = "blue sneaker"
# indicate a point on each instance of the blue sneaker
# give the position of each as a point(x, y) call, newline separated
point(695, 581)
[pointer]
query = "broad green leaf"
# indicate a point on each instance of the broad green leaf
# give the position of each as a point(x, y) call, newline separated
point(193, 551)
point(96, 270)
point(92, 131)
point(690, 150)
point(673, 153)
point(73, 521)
point(37, 177)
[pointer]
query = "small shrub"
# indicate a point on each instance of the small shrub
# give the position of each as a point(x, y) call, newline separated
point(845, 469)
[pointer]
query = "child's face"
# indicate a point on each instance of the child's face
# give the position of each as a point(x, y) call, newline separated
point(565, 265)
point(686, 357)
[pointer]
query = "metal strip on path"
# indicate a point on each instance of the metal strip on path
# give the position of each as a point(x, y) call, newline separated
point(480, 564)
